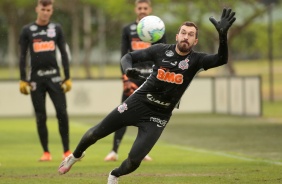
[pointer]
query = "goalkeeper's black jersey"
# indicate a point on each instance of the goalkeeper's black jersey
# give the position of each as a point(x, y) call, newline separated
point(41, 42)
point(131, 42)
point(172, 73)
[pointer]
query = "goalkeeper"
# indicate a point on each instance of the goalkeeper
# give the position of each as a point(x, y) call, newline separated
point(150, 107)
point(131, 42)
point(41, 38)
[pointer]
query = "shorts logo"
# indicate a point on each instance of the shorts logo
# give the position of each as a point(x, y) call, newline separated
point(160, 122)
point(170, 77)
point(122, 108)
point(184, 64)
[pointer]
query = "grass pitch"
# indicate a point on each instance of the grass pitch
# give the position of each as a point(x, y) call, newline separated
point(194, 149)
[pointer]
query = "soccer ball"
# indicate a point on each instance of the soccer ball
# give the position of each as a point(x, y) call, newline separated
point(150, 29)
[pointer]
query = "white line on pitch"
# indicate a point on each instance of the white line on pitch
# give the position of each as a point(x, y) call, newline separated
point(226, 155)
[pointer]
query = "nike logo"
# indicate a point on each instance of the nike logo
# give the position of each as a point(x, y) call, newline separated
point(173, 63)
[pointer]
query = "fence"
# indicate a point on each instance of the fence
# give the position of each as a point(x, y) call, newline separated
point(224, 95)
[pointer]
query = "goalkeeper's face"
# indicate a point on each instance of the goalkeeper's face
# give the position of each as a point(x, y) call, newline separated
point(142, 10)
point(44, 13)
point(186, 39)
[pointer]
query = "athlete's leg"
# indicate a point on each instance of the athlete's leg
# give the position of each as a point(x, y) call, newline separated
point(148, 135)
point(108, 125)
point(118, 135)
point(38, 97)
point(58, 98)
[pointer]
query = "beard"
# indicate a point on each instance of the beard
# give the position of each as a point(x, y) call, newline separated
point(184, 46)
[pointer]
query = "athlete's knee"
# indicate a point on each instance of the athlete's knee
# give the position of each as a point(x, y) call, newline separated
point(133, 163)
point(92, 134)
point(41, 117)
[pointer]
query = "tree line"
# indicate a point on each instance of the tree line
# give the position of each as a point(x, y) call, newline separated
point(93, 27)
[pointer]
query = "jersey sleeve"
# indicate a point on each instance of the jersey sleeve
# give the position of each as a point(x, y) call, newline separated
point(125, 42)
point(62, 47)
point(23, 43)
point(218, 59)
point(137, 56)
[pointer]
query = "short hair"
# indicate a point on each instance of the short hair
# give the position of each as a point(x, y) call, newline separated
point(45, 2)
point(190, 24)
point(143, 1)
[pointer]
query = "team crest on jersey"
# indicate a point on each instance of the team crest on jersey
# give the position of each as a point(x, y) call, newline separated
point(169, 53)
point(184, 64)
point(122, 108)
point(51, 32)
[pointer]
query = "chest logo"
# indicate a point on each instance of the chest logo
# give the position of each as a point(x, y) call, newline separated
point(170, 77)
point(184, 64)
point(137, 45)
point(44, 46)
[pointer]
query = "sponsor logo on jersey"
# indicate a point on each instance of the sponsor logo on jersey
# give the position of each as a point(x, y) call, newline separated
point(51, 32)
point(184, 64)
point(146, 71)
point(44, 46)
point(33, 27)
point(138, 44)
point(46, 72)
point(160, 122)
point(51, 25)
point(42, 32)
point(170, 77)
point(173, 63)
point(122, 108)
point(159, 102)
point(56, 79)
point(133, 27)
point(169, 53)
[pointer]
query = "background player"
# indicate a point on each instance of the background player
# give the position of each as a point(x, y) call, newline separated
point(131, 42)
point(150, 107)
point(41, 39)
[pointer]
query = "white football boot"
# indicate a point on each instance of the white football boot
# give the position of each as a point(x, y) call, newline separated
point(68, 162)
point(112, 156)
point(112, 179)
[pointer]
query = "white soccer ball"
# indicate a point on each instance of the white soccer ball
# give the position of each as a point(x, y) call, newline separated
point(150, 29)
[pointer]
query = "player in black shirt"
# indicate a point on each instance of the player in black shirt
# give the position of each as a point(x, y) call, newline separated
point(150, 107)
point(41, 38)
point(131, 42)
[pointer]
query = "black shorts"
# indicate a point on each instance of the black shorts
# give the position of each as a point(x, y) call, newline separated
point(133, 112)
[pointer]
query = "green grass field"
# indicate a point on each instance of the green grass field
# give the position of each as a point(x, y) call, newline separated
point(194, 149)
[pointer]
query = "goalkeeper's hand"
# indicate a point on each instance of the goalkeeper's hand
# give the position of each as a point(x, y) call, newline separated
point(24, 87)
point(225, 22)
point(134, 73)
point(128, 86)
point(66, 85)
